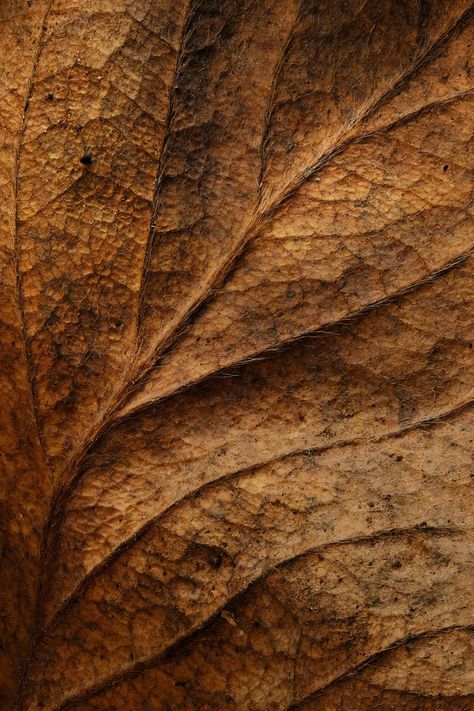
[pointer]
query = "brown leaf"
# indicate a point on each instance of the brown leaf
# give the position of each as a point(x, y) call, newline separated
point(236, 364)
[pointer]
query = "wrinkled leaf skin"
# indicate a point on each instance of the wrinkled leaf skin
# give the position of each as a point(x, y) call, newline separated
point(236, 322)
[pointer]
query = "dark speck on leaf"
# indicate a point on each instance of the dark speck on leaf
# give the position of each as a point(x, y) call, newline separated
point(215, 559)
point(86, 159)
point(445, 168)
point(49, 97)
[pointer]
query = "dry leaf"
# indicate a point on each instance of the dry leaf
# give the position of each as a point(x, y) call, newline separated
point(236, 364)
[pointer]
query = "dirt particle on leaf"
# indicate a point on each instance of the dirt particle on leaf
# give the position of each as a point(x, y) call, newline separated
point(86, 159)
point(215, 558)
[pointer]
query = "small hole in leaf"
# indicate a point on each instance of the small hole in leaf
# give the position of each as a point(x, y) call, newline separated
point(86, 159)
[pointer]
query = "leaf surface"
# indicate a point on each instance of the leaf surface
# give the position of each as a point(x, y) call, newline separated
point(237, 317)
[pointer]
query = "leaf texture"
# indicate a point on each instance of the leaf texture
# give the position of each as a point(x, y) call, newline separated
point(236, 367)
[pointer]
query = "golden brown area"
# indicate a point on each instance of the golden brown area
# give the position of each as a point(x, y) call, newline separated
point(236, 363)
